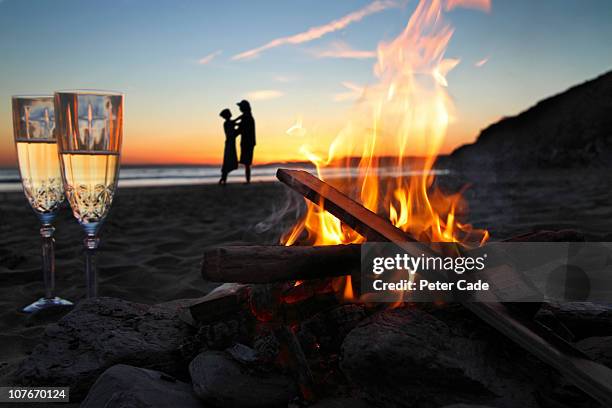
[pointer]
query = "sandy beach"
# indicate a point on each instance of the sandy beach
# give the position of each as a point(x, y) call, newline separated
point(153, 239)
point(151, 248)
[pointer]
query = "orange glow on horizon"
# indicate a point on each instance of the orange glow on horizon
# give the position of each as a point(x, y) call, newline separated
point(208, 150)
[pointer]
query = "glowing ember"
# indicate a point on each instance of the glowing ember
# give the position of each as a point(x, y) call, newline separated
point(408, 109)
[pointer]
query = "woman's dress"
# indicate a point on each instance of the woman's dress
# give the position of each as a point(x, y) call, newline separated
point(230, 158)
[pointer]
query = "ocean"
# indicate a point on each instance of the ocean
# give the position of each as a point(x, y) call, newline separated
point(149, 176)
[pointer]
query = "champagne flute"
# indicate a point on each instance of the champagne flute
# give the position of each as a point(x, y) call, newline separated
point(89, 132)
point(33, 129)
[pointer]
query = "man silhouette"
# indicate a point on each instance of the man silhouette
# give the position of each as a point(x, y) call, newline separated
point(246, 129)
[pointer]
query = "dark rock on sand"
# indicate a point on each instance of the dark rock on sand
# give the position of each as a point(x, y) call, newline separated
point(243, 354)
point(466, 406)
point(123, 386)
point(598, 348)
point(325, 331)
point(571, 129)
point(100, 333)
point(406, 357)
point(583, 319)
point(341, 403)
point(221, 381)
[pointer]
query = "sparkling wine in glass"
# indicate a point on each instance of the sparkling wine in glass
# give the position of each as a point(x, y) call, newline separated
point(39, 167)
point(89, 130)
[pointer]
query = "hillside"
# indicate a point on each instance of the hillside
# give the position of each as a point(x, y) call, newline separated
point(571, 129)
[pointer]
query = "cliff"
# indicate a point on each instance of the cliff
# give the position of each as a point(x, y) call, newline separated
point(571, 129)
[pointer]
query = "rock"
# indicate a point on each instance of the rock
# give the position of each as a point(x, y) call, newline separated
point(123, 386)
point(243, 354)
point(325, 331)
point(221, 381)
point(266, 346)
point(46, 316)
point(466, 406)
point(598, 348)
point(406, 357)
point(583, 319)
point(341, 403)
point(98, 334)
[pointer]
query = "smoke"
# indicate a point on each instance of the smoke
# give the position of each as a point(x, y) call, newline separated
point(281, 218)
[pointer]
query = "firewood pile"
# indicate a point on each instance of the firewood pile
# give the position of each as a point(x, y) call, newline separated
point(287, 291)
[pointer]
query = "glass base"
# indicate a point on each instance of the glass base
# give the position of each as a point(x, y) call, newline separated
point(46, 303)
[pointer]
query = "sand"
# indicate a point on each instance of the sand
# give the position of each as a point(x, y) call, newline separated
point(153, 239)
point(150, 252)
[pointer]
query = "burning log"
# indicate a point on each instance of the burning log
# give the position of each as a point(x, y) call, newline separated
point(277, 263)
point(224, 300)
point(291, 349)
point(593, 378)
point(278, 303)
point(356, 216)
point(268, 264)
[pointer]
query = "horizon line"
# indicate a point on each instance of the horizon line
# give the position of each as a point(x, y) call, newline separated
point(262, 164)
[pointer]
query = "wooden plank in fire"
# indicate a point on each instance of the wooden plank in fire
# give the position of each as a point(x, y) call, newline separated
point(220, 302)
point(593, 378)
point(277, 263)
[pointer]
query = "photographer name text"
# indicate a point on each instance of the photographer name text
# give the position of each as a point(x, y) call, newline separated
point(423, 264)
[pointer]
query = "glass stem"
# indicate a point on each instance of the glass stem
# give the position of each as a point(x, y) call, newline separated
point(91, 278)
point(48, 259)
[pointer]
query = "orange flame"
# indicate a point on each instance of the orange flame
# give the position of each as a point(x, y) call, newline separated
point(410, 109)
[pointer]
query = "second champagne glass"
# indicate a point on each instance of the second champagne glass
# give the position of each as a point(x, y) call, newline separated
point(89, 134)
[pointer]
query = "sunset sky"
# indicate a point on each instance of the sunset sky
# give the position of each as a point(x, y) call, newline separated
point(180, 62)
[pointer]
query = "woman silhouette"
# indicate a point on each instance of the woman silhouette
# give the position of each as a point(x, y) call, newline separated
point(246, 129)
point(230, 158)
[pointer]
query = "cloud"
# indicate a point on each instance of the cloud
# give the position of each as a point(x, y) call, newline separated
point(484, 5)
point(263, 95)
point(208, 58)
point(355, 92)
point(314, 33)
point(340, 49)
point(482, 62)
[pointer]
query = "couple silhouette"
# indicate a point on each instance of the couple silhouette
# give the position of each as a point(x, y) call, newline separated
point(243, 126)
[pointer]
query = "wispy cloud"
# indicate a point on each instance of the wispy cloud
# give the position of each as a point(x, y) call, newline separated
point(481, 63)
point(355, 92)
point(314, 33)
point(484, 5)
point(208, 58)
point(340, 49)
point(263, 95)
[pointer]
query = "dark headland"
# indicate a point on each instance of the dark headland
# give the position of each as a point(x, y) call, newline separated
point(567, 130)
